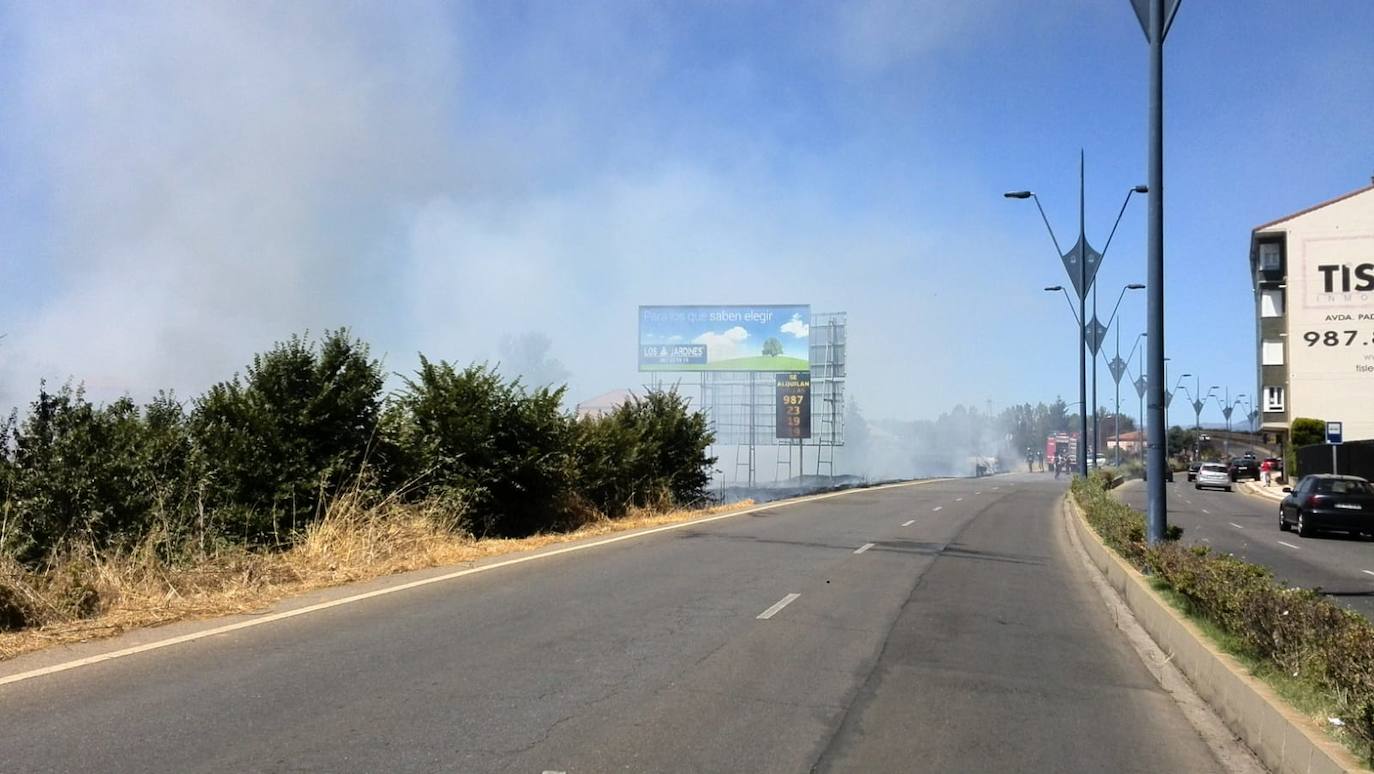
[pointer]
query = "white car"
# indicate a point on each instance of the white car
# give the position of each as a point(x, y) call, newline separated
point(1213, 474)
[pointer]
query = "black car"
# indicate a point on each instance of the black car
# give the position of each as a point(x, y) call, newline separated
point(1325, 501)
point(1244, 467)
point(1192, 470)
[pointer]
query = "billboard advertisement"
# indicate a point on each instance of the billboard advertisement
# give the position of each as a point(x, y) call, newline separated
point(725, 338)
point(1330, 342)
point(793, 405)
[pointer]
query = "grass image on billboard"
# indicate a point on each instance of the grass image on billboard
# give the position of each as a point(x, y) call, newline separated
point(773, 337)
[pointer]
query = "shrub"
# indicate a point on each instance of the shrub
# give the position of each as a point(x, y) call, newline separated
point(1298, 631)
point(505, 450)
point(292, 432)
point(649, 452)
point(1304, 431)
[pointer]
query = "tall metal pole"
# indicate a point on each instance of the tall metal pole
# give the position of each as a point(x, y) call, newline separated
point(1140, 415)
point(1097, 347)
point(1116, 419)
point(1082, 328)
point(1157, 517)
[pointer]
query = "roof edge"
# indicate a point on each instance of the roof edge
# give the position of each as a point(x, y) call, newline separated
point(1313, 208)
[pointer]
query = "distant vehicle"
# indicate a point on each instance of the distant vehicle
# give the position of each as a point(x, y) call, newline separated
point(1248, 455)
point(1213, 474)
point(1101, 461)
point(1324, 501)
point(1275, 464)
point(1244, 467)
point(1192, 471)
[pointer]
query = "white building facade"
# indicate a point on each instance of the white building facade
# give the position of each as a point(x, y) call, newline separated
point(1313, 275)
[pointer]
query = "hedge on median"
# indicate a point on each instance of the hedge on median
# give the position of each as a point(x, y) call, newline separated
point(1299, 631)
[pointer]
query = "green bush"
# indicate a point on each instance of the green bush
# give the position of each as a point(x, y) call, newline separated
point(1297, 631)
point(649, 452)
point(1304, 431)
point(76, 471)
point(505, 449)
point(289, 434)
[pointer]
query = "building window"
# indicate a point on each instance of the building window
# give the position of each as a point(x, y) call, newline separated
point(1271, 353)
point(1269, 257)
point(1273, 400)
point(1271, 303)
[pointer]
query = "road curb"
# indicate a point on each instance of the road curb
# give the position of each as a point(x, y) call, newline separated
point(1282, 739)
point(1258, 490)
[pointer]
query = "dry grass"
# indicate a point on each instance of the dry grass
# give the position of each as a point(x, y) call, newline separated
point(87, 596)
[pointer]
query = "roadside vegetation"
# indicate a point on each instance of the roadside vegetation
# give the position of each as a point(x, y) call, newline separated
point(1301, 643)
point(301, 472)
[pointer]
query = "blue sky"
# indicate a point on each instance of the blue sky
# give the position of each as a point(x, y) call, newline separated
point(180, 186)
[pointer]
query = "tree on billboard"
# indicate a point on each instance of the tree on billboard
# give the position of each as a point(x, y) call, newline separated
point(772, 347)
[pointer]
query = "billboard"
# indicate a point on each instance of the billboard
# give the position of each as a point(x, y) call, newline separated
point(725, 338)
point(793, 405)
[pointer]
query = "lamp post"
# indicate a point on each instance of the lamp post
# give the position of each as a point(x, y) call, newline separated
point(1099, 330)
point(1117, 366)
point(1169, 398)
point(1081, 261)
point(1156, 18)
point(1140, 393)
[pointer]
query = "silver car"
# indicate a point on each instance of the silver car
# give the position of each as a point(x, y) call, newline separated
point(1213, 474)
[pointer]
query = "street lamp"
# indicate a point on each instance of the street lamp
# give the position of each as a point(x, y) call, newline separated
point(1140, 393)
point(1098, 330)
point(1117, 366)
point(1081, 261)
point(1067, 300)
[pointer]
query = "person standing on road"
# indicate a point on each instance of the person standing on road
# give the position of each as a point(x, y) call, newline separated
point(1266, 468)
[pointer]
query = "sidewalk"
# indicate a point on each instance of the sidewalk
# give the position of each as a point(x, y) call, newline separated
point(1272, 492)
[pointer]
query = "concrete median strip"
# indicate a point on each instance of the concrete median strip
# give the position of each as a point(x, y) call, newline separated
point(1281, 738)
point(294, 612)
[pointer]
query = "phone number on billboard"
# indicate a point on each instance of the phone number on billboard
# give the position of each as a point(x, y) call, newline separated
point(1339, 338)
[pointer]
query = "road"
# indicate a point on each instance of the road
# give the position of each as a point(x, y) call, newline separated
point(942, 627)
point(1248, 526)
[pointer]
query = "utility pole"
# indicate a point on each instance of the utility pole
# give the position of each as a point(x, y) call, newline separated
point(1082, 329)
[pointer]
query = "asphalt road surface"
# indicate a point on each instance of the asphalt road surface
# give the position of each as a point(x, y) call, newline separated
point(944, 627)
point(1248, 526)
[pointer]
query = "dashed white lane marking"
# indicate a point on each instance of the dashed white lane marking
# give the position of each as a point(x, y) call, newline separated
point(780, 604)
point(863, 548)
point(937, 508)
point(908, 522)
point(958, 499)
point(1290, 545)
point(1367, 572)
point(977, 493)
point(1204, 510)
point(1237, 526)
point(996, 488)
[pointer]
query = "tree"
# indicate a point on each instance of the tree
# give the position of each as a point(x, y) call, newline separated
point(1304, 431)
point(772, 347)
point(528, 357)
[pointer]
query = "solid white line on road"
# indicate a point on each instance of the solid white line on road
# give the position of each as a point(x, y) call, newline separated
point(908, 522)
point(1237, 526)
point(780, 604)
point(937, 508)
point(863, 548)
point(1367, 572)
point(1290, 545)
point(299, 611)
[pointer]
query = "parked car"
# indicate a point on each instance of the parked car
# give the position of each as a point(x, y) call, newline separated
point(1192, 471)
point(1244, 467)
point(1213, 474)
point(1325, 501)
